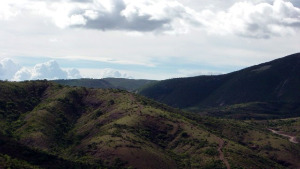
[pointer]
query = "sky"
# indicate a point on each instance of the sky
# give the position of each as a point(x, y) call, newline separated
point(142, 39)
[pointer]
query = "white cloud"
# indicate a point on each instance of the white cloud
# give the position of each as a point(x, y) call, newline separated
point(77, 20)
point(112, 73)
point(8, 10)
point(261, 20)
point(33, 28)
point(197, 72)
point(107, 72)
point(48, 70)
point(9, 70)
point(160, 16)
point(255, 19)
point(22, 74)
point(73, 74)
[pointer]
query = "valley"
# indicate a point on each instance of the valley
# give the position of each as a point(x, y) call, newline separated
point(149, 84)
point(292, 139)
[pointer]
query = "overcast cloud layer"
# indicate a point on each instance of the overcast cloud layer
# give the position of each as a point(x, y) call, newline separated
point(154, 39)
point(255, 19)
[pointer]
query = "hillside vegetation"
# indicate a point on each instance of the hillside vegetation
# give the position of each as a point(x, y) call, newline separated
point(89, 83)
point(46, 125)
point(129, 84)
point(268, 90)
point(107, 83)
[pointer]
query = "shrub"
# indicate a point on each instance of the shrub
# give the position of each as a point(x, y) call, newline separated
point(184, 135)
point(211, 151)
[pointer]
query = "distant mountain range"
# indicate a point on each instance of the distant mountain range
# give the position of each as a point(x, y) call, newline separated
point(47, 125)
point(107, 83)
point(268, 90)
point(264, 91)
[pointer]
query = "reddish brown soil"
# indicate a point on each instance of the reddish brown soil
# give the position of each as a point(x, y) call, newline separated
point(221, 156)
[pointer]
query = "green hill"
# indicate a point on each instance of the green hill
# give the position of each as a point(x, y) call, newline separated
point(128, 84)
point(46, 125)
point(89, 83)
point(273, 84)
point(107, 83)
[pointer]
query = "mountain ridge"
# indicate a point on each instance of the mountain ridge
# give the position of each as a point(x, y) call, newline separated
point(107, 83)
point(274, 81)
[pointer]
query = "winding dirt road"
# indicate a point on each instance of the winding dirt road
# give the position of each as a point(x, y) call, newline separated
point(221, 156)
point(292, 139)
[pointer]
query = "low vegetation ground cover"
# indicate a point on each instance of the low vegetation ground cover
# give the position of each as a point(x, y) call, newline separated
point(112, 128)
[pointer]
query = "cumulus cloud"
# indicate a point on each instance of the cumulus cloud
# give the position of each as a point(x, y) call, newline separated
point(73, 74)
point(113, 73)
point(132, 15)
point(244, 18)
point(197, 72)
point(22, 74)
point(262, 20)
point(9, 70)
point(48, 70)
point(160, 16)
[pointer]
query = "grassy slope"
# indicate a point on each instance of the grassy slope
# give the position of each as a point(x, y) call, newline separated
point(15, 155)
point(90, 83)
point(256, 110)
point(17, 100)
point(184, 92)
point(120, 129)
point(289, 126)
point(107, 83)
point(7, 161)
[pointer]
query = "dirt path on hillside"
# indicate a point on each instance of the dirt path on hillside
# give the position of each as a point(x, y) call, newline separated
point(292, 139)
point(141, 107)
point(221, 156)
